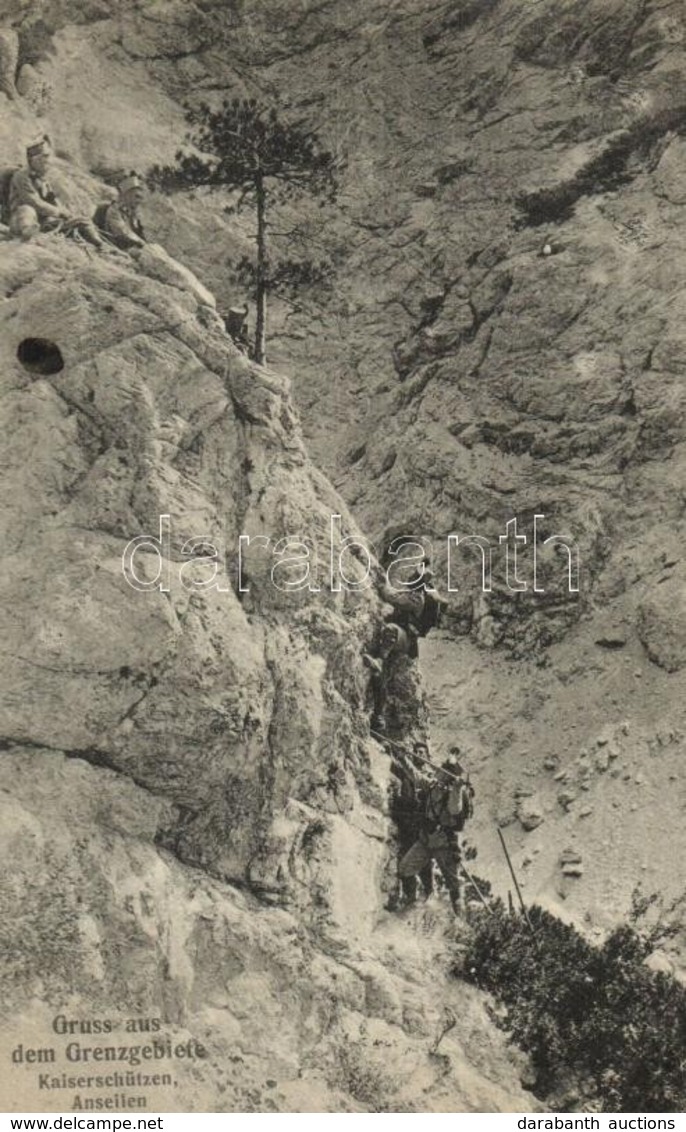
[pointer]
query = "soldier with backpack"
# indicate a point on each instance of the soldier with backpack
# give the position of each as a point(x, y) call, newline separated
point(448, 805)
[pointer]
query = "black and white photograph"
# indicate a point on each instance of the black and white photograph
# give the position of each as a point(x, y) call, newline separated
point(343, 560)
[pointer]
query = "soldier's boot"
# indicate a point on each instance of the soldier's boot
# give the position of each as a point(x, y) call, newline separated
point(427, 880)
point(393, 902)
point(408, 887)
point(458, 902)
point(456, 893)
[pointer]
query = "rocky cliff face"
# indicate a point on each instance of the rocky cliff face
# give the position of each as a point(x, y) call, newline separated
point(191, 793)
point(506, 339)
point(194, 834)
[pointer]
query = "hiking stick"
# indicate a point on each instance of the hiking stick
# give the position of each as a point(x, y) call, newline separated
point(476, 888)
point(414, 755)
point(516, 883)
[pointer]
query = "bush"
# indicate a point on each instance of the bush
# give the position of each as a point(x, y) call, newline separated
point(625, 155)
point(358, 1074)
point(597, 1013)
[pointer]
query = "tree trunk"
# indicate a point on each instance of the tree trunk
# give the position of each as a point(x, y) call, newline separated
point(262, 269)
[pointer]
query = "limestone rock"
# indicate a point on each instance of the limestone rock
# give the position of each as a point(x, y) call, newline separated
point(28, 81)
point(670, 171)
point(662, 624)
point(148, 418)
point(193, 828)
point(571, 863)
point(9, 54)
point(530, 811)
point(524, 383)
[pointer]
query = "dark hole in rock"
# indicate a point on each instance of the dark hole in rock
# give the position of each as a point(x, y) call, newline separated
point(40, 355)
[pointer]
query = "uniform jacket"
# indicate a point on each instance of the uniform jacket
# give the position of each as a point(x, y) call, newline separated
point(123, 227)
point(28, 189)
point(444, 802)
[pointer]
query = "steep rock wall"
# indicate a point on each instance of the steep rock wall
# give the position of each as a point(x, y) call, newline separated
point(194, 822)
point(469, 374)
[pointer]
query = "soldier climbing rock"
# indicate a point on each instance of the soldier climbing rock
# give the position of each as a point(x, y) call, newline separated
point(407, 808)
point(412, 612)
point(447, 806)
point(393, 643)
point(422, 581)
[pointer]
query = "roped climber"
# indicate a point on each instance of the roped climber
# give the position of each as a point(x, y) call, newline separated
point(414, 611)
point(448, 805)
point(407, 808)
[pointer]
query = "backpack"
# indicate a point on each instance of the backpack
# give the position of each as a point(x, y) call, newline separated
point(6, 176)
point(437, 799)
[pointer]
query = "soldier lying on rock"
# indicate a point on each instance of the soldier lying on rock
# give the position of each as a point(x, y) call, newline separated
point(120, 220)
point(34, 205)
point(120, 223)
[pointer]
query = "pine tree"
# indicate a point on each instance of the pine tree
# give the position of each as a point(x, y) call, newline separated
point(246, 147)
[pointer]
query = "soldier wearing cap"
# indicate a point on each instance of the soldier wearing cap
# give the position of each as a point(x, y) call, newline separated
point(448, 804)
point(121, 221)
point(33, 203)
